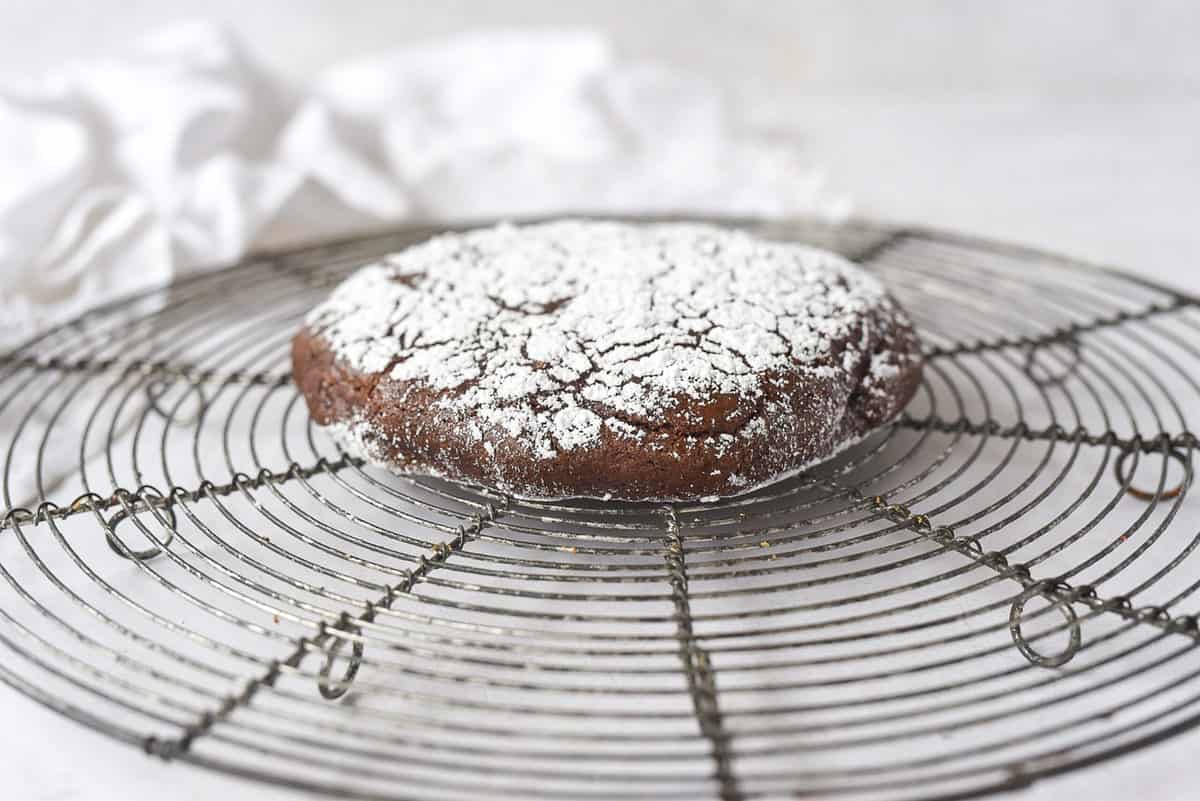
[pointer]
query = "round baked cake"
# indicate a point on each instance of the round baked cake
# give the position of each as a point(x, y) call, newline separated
point(603, 359)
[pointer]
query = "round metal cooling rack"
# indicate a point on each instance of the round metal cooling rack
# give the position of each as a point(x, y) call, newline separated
point(998, 587)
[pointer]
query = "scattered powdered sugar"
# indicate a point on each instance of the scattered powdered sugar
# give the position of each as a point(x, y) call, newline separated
point(555, 332)
point(574, 427)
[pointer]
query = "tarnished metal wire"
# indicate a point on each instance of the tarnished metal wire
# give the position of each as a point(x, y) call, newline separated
point(998, 587)
point(697, 665)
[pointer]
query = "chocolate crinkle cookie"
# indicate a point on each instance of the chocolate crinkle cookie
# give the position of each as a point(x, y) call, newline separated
point(602, 359)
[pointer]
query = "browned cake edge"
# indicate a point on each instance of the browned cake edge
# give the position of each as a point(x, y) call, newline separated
point(402, 426)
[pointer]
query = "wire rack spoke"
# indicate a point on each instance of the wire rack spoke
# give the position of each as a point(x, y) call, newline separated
point(147, 497)
point(1110, 439)
point(328, 641)
point(697, 664)
point(169, 371)
point(1057, 591)
point(1066, 335)
point(441, 552)
point(998, 587)
point(996, 561)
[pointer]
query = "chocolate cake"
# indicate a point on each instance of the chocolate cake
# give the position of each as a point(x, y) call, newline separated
point(603, 359)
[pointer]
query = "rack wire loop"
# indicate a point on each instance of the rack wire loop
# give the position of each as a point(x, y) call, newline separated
point(1074, 633)
point(1043, 377)
point(1120, 470)
point(146, 499)
point(158, 387)
point(332, 690)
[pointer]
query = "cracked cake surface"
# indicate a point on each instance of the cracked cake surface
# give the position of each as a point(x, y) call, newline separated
point(669, 361)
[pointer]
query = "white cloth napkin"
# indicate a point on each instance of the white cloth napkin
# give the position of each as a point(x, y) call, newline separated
point(123, 173)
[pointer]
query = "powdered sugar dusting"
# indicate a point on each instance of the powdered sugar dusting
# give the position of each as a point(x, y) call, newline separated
point(553, 332)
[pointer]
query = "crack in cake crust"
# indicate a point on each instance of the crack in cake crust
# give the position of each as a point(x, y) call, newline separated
point(651, 362)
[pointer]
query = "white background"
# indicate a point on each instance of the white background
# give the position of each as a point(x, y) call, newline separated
point(1073, 125)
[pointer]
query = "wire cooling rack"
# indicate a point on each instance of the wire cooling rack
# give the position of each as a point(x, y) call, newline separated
point(999, 587)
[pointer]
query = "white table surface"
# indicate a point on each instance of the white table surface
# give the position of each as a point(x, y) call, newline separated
point(1108, 175)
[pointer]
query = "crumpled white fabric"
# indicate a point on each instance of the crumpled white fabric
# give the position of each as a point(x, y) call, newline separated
point(123, 173)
